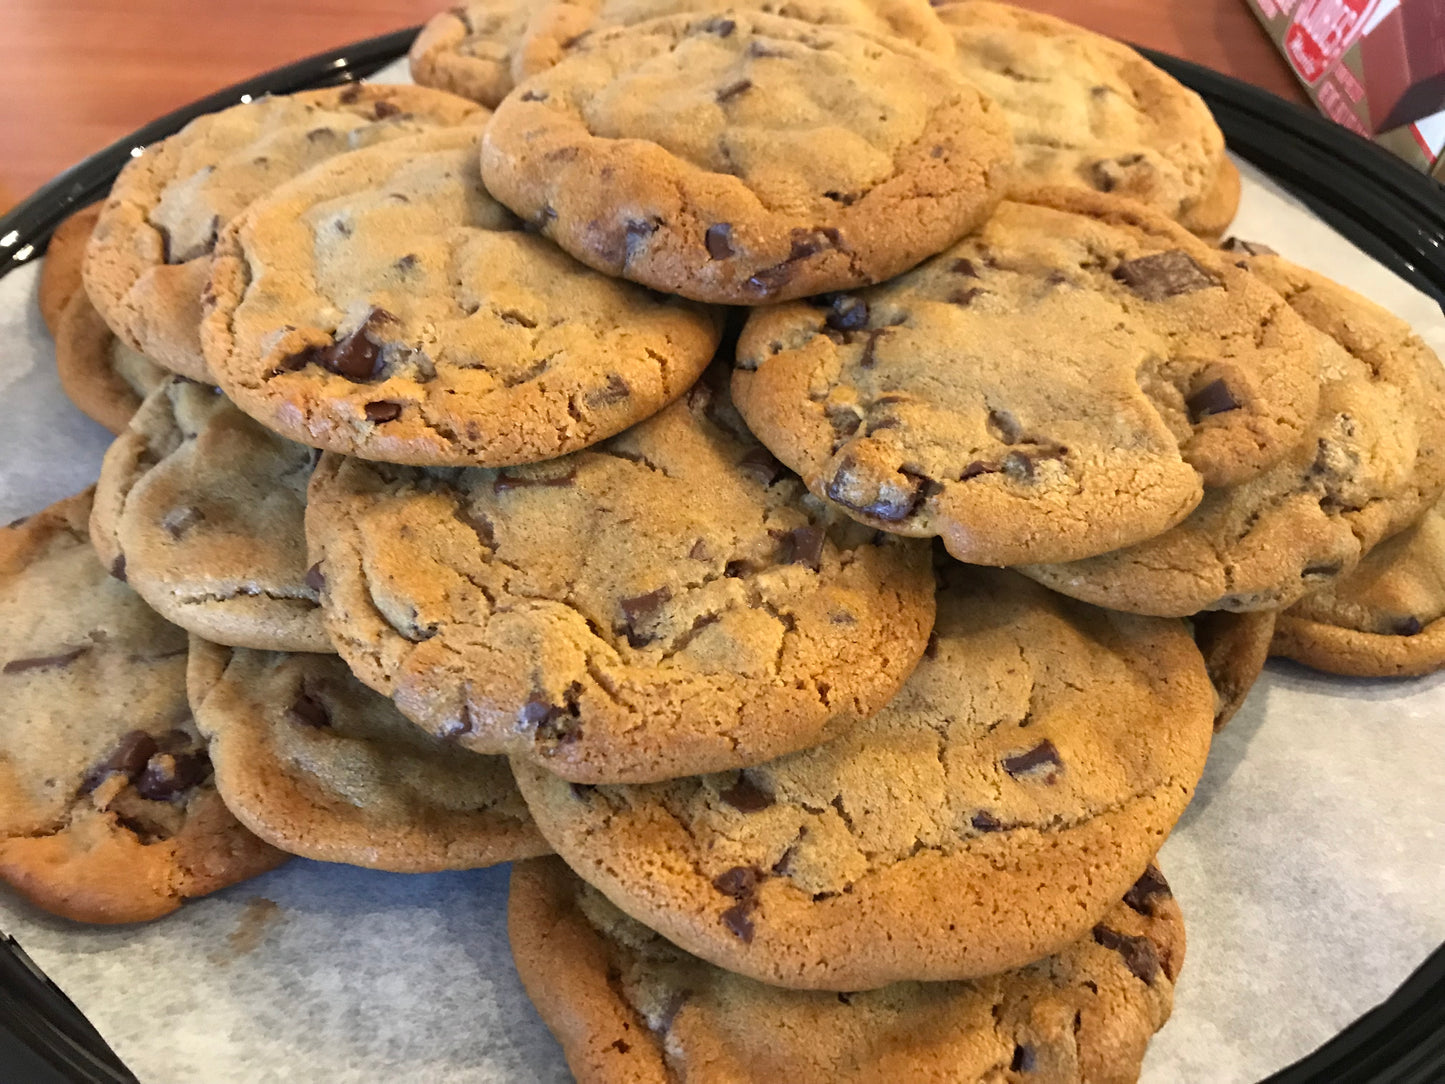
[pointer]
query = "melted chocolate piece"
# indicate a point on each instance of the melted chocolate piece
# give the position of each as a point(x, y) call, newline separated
point(306, 710)
point(738, 920)
point(964, 266)
point(613, 392)
point(1214, 398)
point(1140, 955)
point(721, 27)
point(986, 822)
point(719, 241)
point(759, 463)
point(117, 568)
point(740, 882)
point(732, 90)
point(1041, 756)
point(803, 546)
point(553, 722)
point(1024, 1059)
point(746, 796)
point(168, 775)
point(504, 482)
point(385, 109)
point(382, 411)
point(964, 298)
point(43, 662)
point(1164, 275)
point(128, 758)
point(1407, 626)
point(889, 501)
point(316, 578)
point(1149, 887)
point(357, 357)
point(643, 610)
point(846, 313)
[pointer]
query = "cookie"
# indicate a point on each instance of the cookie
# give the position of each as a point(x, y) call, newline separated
point(668, 602)
point(201, 510)
point(1090, 112)
point(108, 812)
point(988, 816)
point(1235, 647)
point(60, 274)
point(1212, 215)
point(317, 764)
point(1372, 461)
point(149, 257)
point(385, 306)
point(630, 1008)
point(1385, 619)
point(747, 158)
point(1064, 381)
point(98, 373)
point(481, 50)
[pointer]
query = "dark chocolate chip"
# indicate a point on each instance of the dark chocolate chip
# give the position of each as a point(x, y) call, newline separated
point(1164, 275)
point(699, 551)
point(384, 109)
point(846, 313)
point(746, 796)
point(504, 482)
point(759, 463)
point(610, 394)
point(719, 240)
point(1041, 756)
point(170, 774)
point(553, 722)
point(642, 610)
point(847, 199)
point(533, 96)
point(1004, 427)
point(732, 90)
point(1407, 626)
point(634, 235)
point(1149, 887)
point(1214, 398)
point(117, 568)
point(43, 662)
point(619, 1045)
point(1329, 568)
point(316, 578)
point(357, 357)
point(803, 546)
point(350, 94)
point(1024, 1059)
point(1248, 248)
point(128, 758)
point(306, 710)
point(890, 501)
point(721, 27)
point(406, 263)
point(844, 420)
point(964, 298)
point(964, 266)
point(382, 411)
point(1140, 955)
point(740, 882)
point(986, 822)
point(178, 521)
point(758, 50)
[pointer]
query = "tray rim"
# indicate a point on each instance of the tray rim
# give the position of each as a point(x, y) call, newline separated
point(1382, 205)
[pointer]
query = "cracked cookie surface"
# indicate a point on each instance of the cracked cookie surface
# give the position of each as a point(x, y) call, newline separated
point(1090, 112)
point(108, 812)
point(99, 373)
point(989, 815)
point(482, 50)
point(630, 1008)
point(317, 764)
point(1064, 382)
point(418, 323)
point(1385, 619)
point(1371, 462)
point(150, 254)
point(746, 158)
point(665, 603)
point(201, 510)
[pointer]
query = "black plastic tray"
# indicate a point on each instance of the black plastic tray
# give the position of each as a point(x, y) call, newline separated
point(1382, 205)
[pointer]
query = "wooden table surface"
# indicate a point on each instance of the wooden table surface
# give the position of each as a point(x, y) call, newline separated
point(75, 75)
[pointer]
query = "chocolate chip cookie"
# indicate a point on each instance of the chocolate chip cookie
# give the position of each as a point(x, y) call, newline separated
point(1090, 112)
point(1372, 461)
point(99, 373)
point(201, 510)
point(665, 603)
point(108, 812)
point(745, 158)
point(1235, 648)
point(630, 1008)
point(60, 271)
point(1385, 619)
point(314, 762)
point(148, 260)
point(481, 50)
point(1064, 381)
point(386, 306)
point(988, 816)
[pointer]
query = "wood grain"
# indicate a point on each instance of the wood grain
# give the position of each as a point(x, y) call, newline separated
point(77, 75)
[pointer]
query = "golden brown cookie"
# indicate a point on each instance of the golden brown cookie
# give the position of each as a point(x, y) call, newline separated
point(60, 272)
point(988, 816)
point(630, 1008)
point(98, 373)
point(1235, 648)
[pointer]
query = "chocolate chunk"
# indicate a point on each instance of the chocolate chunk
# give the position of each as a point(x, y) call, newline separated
point(357, 357)
point(721, 27)
point(43, 662)
point(844, 420)
point(128, 758)
point(1407, 626)
point(306, 710)
point(846, 313)
point(178, 521)
point(738, 920)
point(384, 109)
point(117, 568)
point(1018, 466)
point(1042, 756)
point(1214, 398)
point(964, 298)
point(316, 578)
point(350, 94)
point(964, 266)
point(758, 50)
point(869, 357)
point(1164, 275)
point(504, 482)
point(643, 610)
point(1024, 1059)
point(1149, 887)
point(635, 235)
point(610, 394)
point(890, 501)
point(803, 546)
point(986, 822)
point(732, 90)
point(847, 199)
point(759, 463)
point(405, 263)
point(746, 796)
point(740, 882)
point(168, 775)
point(1140, 955)
point(1248, 248)
point(553, 722)
point(382, 411)
point(533, 96)
point(1004, 427)
point(719, 240)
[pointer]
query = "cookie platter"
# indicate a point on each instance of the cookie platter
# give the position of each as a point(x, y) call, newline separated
point(1304, 865)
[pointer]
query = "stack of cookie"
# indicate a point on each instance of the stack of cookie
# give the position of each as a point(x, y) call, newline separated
point(607, 433)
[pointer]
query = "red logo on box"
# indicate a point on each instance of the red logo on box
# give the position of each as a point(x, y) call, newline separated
point(1320, 32)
